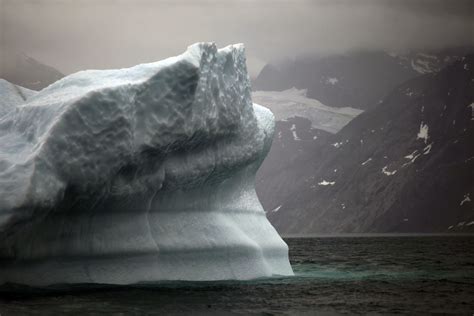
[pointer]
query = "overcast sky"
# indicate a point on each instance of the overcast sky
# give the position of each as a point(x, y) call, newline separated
point(71, 35)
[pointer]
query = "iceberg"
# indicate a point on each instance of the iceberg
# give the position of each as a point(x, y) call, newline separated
point(137, 175)
point(12, 95)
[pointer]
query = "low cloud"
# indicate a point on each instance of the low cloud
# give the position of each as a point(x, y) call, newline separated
point(72, 35)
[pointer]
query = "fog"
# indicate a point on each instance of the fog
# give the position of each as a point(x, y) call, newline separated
point(79, 34)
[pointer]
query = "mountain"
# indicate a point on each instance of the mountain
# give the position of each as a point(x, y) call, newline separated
point(27, 72)
point(431, 61)
point(302, 125)
point(356, 79)
point(405, 165)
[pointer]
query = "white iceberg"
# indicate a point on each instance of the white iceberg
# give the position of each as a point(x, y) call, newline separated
point(138, 175)
point(12, 95)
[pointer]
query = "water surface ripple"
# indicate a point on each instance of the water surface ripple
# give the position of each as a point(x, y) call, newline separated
point(333, 275)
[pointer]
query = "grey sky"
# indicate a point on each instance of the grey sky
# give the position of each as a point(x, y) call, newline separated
point(79, 34)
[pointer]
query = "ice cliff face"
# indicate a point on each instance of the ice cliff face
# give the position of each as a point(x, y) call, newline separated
point(138, 174)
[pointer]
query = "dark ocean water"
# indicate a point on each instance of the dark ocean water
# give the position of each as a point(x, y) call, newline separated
point(341, 275)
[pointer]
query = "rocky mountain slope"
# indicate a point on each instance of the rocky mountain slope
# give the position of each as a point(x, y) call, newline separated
point(357, 79)
point(406, 165)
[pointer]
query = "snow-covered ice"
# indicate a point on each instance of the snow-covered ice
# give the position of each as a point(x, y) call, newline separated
point(293, 102)
point(138, 174)
point(12, 95)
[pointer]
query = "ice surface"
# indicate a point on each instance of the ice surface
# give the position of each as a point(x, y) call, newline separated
point(138, 175)
point(12, 95)
point(293, 102)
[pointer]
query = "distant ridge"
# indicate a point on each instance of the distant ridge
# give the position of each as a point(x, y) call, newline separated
point(27, 72)
point(355, 79)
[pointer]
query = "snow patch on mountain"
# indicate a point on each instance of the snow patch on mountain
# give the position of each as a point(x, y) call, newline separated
point(425, 63)
point(388, 173)
point(325, 183)
point(332, 81)
point(466, 199)
point(427, 149)
point(276, 209)
point(338, 144)
point(412, 157)
point(423, 133)
point(472, 110)
point(293, 132)
point(366, 162)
